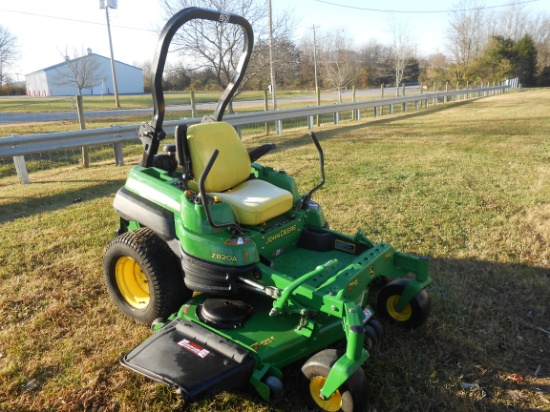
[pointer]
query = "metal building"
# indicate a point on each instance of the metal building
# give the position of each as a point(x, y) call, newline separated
point(92, 70)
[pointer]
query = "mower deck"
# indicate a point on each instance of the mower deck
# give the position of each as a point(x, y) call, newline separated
point(193, 359)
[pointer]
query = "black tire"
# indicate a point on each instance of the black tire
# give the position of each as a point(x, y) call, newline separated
point(351, 396)
point(413, 315)
point(371, 338)
point(377, 326)
point(143, 276)
point(276, 388)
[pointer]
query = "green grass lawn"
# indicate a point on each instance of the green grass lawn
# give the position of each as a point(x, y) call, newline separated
point(464, 183)
point(26, 104)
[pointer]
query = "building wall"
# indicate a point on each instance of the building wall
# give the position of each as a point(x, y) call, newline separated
point(129, 80)
point(37, 84)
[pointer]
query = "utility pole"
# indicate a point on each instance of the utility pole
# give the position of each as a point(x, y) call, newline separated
point(315, 58)
point(273, 88)
point(317, 91)
point(105, 4)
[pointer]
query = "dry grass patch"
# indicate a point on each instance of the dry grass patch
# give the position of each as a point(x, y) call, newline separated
point(465, 184)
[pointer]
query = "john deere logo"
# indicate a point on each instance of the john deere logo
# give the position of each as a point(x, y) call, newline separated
point(281, 234)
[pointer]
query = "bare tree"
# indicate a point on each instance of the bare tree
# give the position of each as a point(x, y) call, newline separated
point(512, 22)
point(379, 61)
point(540, 30)
point(217, 47)
point(81, 72)
point(339, 62)
point(8, 53)
point(147, 67)
point(467, 35)
point(402, 50)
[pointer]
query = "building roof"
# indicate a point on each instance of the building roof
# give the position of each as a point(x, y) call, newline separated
point(55, 66)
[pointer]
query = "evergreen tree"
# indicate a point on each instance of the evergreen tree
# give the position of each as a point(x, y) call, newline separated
point(526, 60)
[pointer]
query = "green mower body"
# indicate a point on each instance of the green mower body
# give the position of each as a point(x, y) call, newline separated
point(234, 303)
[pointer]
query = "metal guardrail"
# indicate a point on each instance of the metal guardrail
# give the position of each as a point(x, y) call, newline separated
point(19, 146)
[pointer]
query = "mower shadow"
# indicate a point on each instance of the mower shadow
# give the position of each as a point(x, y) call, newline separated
point(22, 208)
point(484, 347)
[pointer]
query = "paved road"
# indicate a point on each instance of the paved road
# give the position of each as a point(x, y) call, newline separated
point(14, 118)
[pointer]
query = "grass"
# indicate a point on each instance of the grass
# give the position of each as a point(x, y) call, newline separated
point(466, 184)
point(26, 104)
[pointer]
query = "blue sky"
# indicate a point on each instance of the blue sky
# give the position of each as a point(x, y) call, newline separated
point(45, 29)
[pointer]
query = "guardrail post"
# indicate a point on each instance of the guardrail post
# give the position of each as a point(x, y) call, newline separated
point(446, 98)
point(85, 149)
point(119, 156)
point(336, 117)
point(279, 127)
point(310, 122)
point(391, 108)
point(21, 169)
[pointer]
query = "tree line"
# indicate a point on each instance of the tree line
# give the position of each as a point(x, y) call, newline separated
point(481, 46)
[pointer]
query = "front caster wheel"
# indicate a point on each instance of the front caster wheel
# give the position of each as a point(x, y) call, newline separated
point(413, 315)
point(351, 396)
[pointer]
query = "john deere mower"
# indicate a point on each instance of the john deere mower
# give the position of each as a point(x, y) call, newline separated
point(237, 272)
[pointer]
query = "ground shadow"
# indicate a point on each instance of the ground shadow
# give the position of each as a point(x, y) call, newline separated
point(21, 208)
point(484, 347)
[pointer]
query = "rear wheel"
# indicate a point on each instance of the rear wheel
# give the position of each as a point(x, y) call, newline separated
point(351, 396)
point(413, 315)
point(143, 276)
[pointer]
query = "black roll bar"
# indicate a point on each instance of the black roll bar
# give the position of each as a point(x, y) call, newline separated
point(153, 133)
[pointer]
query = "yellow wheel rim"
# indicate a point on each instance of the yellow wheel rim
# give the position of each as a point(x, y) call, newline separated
point(400, 316)
point(332, 404)
point(132, 282)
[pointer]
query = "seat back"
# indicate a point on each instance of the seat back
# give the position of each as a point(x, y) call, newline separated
point(232, 166)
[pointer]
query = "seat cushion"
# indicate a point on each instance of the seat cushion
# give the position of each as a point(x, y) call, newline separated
point(256, 201)
point(232, 166)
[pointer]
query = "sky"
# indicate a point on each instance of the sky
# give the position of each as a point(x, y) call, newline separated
point(45, 30)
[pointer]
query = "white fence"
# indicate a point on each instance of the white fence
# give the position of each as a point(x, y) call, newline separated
point(19, 146)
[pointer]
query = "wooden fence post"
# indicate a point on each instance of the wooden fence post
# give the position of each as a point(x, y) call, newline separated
point(318, 98)
point(266, 108)
point(193, 105)
point(353, 112)
point(381, 111)
point(81, 120)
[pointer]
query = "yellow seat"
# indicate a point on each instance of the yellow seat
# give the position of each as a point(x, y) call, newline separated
point(253, 201)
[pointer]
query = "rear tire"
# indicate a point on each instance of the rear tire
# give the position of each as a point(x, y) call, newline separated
point(143, 276)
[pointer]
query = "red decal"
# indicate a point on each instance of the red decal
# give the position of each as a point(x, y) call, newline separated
point(193, 347)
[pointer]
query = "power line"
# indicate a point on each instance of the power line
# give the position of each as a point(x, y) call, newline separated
point(423, 11)
point(73, 20)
